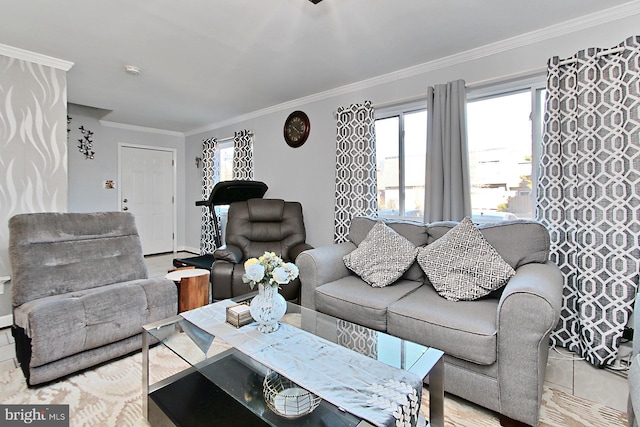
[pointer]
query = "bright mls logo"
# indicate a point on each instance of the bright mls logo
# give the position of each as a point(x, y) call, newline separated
point(34, 415)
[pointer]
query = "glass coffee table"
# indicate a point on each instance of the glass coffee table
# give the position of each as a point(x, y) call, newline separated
point(192, 377)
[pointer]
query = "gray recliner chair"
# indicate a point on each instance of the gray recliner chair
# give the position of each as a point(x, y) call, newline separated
point(81, 291)
point(254, 227)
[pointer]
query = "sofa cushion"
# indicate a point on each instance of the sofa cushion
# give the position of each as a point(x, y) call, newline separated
point(62, 325)
point(462, 265)
point(352, 299)
point(466, 329)
point(382, 257)
point(415, 232)
point(518, 242)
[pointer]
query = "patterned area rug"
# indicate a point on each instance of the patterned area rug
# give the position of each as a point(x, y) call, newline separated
point(110, 395)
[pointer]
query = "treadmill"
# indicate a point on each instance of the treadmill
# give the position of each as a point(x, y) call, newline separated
point(223, 193)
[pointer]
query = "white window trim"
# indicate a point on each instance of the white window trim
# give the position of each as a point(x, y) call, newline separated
point(395, 110)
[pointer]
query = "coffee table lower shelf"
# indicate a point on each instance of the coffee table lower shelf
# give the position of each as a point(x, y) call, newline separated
point(193, 398)
point(194, 401)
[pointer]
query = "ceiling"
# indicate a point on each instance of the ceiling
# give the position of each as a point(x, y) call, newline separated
point(204, 62)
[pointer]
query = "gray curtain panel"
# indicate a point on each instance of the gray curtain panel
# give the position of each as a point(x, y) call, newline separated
point(243, 155)
point(588, 193)
point(356, 185)
point(447, 182)
point(210, 176)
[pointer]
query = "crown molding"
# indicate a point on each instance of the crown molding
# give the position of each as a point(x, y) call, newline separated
point(137, 128)
point(584, 22)
point(38, 58)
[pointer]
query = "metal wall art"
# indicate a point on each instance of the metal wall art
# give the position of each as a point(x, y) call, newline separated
point(85, 144)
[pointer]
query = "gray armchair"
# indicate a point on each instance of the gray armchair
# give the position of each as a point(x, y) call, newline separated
point(254, 227)
point(80, 291)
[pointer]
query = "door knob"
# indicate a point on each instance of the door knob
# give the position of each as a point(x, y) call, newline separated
point(125, 208)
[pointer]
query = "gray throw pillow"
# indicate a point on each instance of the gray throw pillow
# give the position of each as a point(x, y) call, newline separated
point(382, 257)
point(462, 265)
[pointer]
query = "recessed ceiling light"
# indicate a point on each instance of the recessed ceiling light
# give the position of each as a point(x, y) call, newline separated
point(132, 69)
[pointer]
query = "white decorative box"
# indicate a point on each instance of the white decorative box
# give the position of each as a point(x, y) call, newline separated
point(239, 315)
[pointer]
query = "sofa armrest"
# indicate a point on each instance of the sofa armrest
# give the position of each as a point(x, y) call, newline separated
point(319, 266)
point(528, 311)
point(297, 250)
point(229, 253)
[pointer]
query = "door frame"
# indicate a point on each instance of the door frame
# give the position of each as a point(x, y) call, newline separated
point(174, 190)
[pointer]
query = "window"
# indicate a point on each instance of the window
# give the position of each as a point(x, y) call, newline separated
point(503, 124)
point(226, 174)
point(501, 129)
point(401, 144)
point(226, 161)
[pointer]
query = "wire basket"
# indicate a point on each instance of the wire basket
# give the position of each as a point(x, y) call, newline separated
point(286, 398)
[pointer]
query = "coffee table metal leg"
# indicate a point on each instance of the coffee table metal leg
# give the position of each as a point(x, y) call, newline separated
point(436, 395)
point(145, 374)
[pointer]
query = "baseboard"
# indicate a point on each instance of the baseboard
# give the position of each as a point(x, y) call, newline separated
point(195, 251)
point(6, 321)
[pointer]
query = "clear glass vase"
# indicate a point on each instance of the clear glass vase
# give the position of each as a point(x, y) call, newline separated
point(267, 308)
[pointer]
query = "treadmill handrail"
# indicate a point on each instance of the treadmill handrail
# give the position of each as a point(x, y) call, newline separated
point(227, 192)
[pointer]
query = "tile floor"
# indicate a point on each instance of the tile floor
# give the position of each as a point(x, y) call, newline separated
point(565, 371)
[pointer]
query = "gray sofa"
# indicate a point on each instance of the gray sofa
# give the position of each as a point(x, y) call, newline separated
point(80, 291)
point(495, 347)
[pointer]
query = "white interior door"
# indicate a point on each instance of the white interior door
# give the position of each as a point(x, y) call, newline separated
point(147, 178)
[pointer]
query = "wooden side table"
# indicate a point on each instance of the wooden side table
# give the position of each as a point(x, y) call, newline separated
point(193, 287)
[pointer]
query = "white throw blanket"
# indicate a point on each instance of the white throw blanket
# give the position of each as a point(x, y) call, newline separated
point(364, 387)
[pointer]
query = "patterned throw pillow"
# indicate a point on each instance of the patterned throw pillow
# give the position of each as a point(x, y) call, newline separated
point(462, 265)
point(382, 257)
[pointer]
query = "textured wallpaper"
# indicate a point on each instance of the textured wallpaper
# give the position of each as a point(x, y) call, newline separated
point(33, 145)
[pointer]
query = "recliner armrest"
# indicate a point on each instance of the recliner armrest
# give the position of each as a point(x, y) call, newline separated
point(229, 253)
point(297, 250)
point(319, 266)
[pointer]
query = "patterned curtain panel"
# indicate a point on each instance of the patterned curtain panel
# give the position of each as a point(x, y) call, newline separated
point(243, 155)
point(356, 185)
point(210, 176)
point(588, 193)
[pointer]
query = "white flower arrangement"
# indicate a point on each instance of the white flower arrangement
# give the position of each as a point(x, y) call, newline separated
point(269, 269)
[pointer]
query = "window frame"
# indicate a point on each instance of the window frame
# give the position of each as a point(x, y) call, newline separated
point(536, 86)
point(400, 110)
